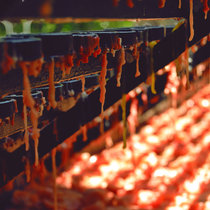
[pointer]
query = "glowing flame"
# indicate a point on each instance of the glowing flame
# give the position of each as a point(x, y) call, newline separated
point(93, 159)
point(93, 182)
point(205, 103)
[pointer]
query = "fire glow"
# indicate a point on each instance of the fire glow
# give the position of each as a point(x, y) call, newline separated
point(164, 156)
point(165, 165)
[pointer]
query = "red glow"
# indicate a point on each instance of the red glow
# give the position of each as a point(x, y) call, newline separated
point(125, 171)
point(166, 165)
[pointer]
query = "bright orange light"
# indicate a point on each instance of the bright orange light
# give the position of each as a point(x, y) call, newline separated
point(76, 170)
point(93, 159)
point(205, 103)
point(149, 171)
point(93, 182)
point(85, 156)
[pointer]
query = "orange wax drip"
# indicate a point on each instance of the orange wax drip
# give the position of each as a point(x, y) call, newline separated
point(118, 44)
point(161, 3)
point(180, 4)
point(69, 61)
point(121, 62)
point(102, 81)
point(83, 83)
point(130, 3)
point(46, 8)
point(205, 8)
point(35, 67)
point(28, 101)
point(26, 138)
point(133, 117)
point(136, 54)
point(191, 21)
point(152, 44)
point(92, 48)
point(7, 62)
point(36, 134)
point(16, 108)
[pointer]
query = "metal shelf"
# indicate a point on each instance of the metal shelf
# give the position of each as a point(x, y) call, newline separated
point(95, 9)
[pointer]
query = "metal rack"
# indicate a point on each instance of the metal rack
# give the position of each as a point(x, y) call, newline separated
point(165, 51)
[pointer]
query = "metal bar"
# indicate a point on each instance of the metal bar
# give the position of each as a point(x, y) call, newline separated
point(93, 9)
